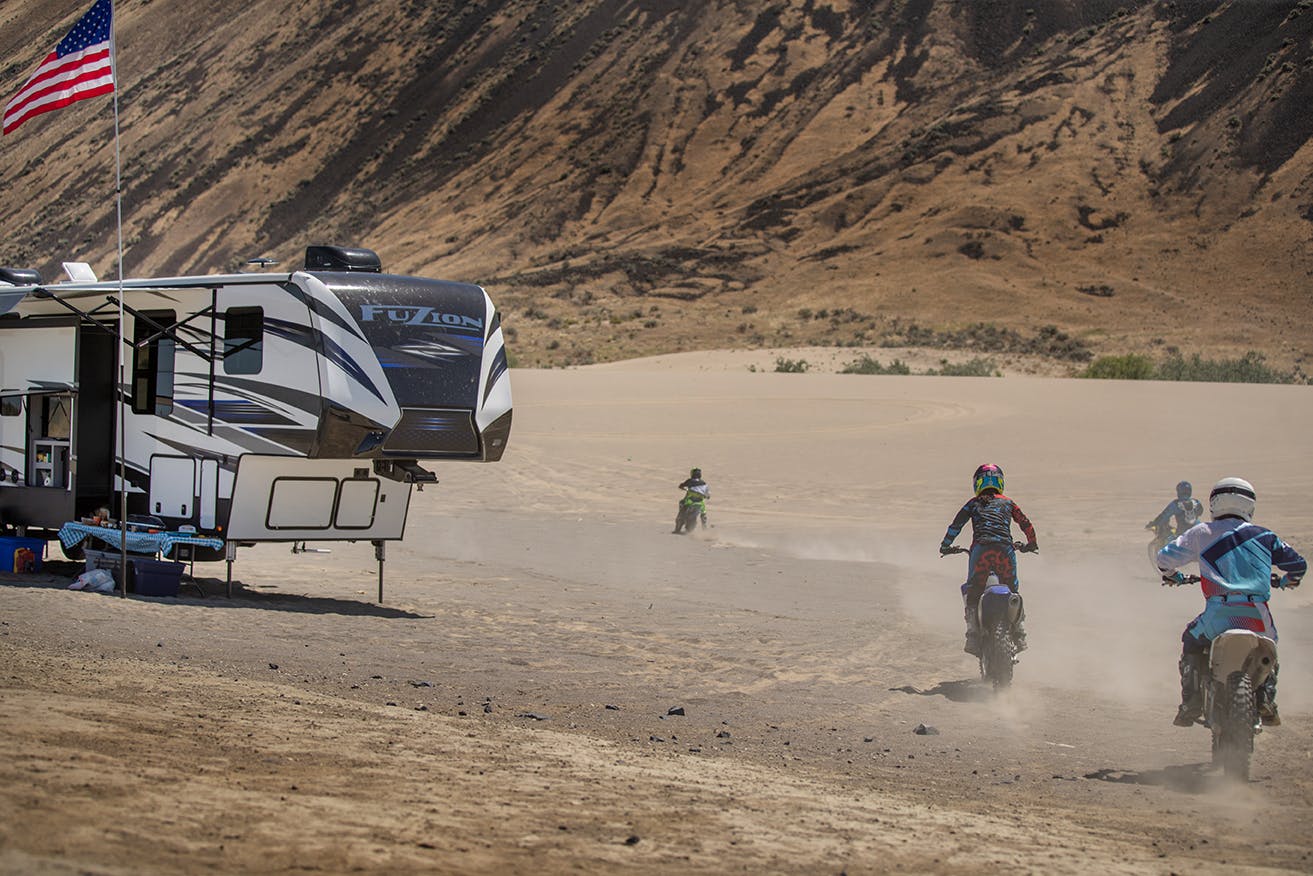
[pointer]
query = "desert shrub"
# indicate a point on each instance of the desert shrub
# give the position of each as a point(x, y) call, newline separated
point(975, 368)
point(1249, 368)
point(1131, 366)
point(791, 366)
point(867, 365)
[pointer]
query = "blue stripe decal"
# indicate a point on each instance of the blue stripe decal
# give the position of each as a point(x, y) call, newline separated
point(238, 411)
point(317, 340)
point(320, 309)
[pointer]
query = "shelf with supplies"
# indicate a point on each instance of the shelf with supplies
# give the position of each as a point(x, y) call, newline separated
point(50, 458)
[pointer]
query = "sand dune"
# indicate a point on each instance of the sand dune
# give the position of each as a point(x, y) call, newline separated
point(505, 709)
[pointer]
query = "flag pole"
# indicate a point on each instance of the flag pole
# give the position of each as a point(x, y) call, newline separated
point(120, 390)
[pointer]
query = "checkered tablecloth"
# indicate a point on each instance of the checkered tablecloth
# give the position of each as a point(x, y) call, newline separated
point(71, 534)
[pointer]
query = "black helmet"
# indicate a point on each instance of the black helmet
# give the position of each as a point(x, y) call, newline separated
point(1183, 490)
point(695, 473)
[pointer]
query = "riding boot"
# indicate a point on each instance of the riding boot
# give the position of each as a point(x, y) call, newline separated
point(1267, 701)
point(972, 644)
point(1192, 667)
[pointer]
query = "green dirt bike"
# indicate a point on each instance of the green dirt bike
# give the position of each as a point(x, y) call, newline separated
point(692, 509)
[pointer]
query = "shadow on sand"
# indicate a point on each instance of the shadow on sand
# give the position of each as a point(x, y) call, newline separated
point(1191, 778)
point(967, 690)
point(213, 593)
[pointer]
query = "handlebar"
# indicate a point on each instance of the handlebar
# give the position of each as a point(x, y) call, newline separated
point(1194, 579)
point(953, 549)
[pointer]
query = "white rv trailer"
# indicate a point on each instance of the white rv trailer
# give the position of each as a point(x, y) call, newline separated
point(258, 407)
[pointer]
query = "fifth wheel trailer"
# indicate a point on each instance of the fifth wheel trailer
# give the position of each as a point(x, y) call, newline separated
point(257, 407)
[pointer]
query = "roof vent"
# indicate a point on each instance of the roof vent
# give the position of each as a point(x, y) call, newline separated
point(20, 276)
point(342, 258)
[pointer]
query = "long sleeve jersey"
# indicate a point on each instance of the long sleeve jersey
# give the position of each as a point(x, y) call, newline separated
point(1187, 512)
point(1234, 556)
point(991, 516)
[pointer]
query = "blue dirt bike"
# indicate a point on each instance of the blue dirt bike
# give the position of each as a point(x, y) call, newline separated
point(999, 610)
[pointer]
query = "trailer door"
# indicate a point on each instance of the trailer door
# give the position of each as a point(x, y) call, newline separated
point(38, 359)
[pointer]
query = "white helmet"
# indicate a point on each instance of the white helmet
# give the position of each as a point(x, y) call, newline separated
point(1232, 497)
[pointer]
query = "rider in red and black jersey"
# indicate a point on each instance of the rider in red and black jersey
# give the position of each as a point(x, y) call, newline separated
point(991, 514)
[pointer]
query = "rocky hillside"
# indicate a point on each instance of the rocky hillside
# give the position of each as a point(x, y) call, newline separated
point(638, 176)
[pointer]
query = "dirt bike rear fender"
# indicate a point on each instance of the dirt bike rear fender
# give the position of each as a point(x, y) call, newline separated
point(1243, 650)
point(998, 603)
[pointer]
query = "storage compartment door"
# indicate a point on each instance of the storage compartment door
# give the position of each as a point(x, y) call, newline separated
point(172, 487)
point(282, 498)
point(207, 493)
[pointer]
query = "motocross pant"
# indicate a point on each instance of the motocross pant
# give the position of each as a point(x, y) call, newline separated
point(989, 557)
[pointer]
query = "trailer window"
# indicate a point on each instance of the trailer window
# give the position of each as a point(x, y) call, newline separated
point(243, 340)
point(11, 405)
point(152, 364)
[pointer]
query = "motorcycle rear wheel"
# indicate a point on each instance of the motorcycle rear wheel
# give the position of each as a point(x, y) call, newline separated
point(996, 657)
point(1233, 726)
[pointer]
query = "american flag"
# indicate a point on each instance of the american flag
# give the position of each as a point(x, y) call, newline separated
point(80, 67)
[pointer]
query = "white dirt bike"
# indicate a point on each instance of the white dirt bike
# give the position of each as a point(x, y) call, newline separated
point(1239, 662)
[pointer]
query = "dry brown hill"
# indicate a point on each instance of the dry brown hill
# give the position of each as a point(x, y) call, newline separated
point(638, 176)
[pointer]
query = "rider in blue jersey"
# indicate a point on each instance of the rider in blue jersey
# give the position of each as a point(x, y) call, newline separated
point(1180, 514)
point(1235, 560)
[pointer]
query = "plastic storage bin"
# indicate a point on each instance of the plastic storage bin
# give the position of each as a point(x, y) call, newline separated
point(107, 560)
point(146, 576)
point(154, 577)
point(21, 554)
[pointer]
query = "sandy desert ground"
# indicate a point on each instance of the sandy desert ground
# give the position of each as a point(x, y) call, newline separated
point(506, 709)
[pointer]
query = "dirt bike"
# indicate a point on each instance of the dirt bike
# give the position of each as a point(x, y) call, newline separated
point(1161, 536)
point(1239, 662)
point(692, 509)
point(997, 613)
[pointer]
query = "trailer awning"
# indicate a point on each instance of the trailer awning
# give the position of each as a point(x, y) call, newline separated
point(45, 388)
point(45, 348)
